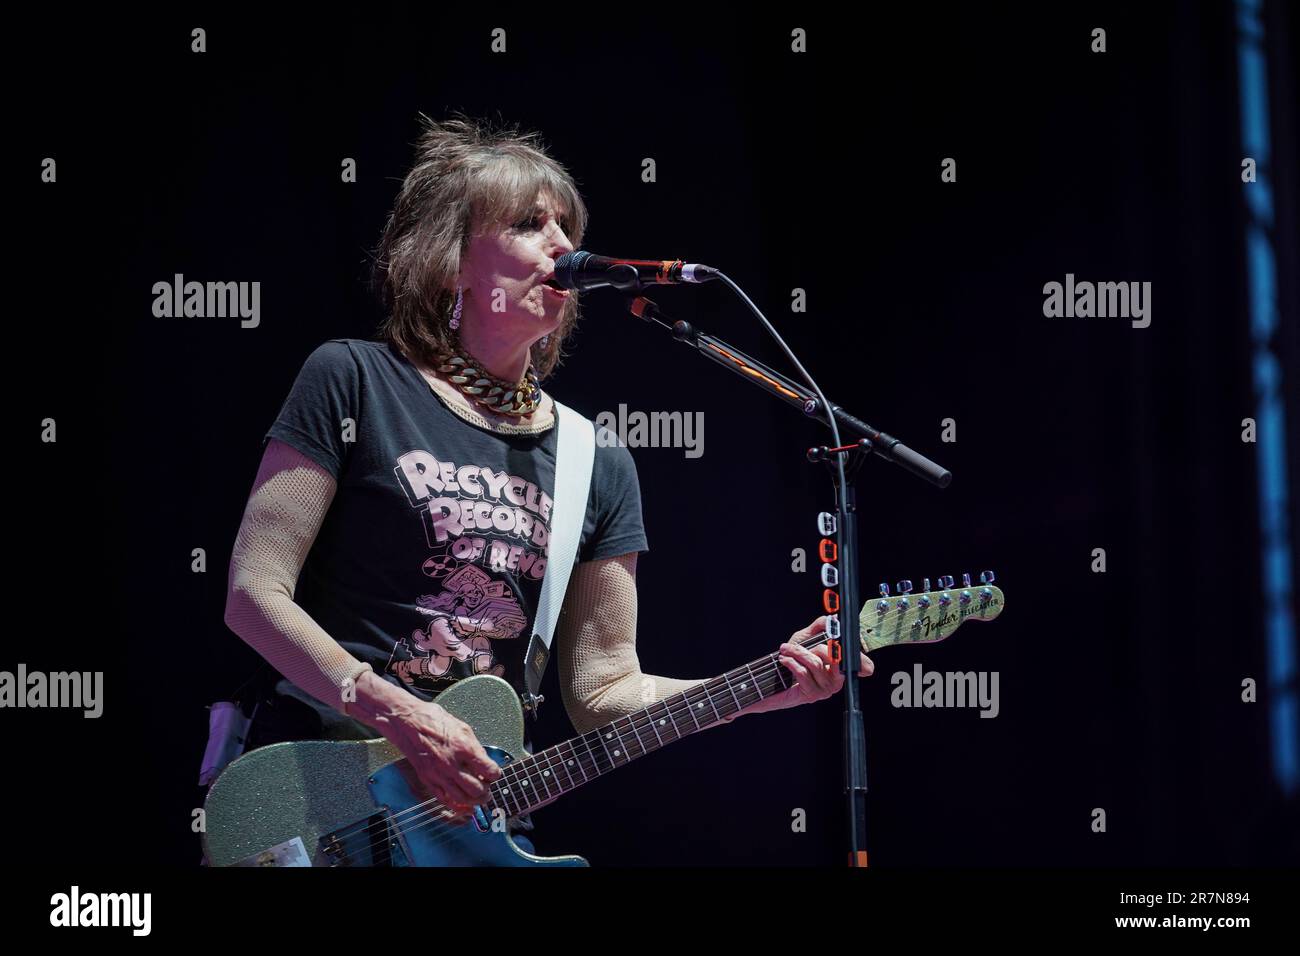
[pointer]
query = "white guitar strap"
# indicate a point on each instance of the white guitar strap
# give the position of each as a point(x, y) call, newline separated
point(575, 452)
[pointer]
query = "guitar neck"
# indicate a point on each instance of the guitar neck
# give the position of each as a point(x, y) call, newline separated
point(906, 619)
point(543, 776)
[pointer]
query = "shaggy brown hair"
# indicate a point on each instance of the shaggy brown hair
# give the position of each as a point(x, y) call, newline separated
point(467, 176)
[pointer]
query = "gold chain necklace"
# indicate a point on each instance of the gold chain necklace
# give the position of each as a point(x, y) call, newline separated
point(495, 394)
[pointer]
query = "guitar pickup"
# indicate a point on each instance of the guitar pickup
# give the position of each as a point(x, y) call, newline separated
point(373, 841)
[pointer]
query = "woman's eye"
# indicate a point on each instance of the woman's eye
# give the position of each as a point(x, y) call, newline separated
point(534, 223)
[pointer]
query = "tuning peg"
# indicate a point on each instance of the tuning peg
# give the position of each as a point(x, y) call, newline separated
point(923, 601)
point(925, 585)
point(905, 586)
point(986, 595)
point(945, 581)
point(945, 599)
point(986, 577)
point(965, 597)
point(884, 589)
point(965, 580)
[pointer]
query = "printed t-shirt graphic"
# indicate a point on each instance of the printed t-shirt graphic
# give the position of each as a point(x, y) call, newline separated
point(476, 521)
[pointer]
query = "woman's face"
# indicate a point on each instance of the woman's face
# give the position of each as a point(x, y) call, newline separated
point(503, 272)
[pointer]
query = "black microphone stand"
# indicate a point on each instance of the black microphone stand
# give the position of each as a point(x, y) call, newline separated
point(843, 612)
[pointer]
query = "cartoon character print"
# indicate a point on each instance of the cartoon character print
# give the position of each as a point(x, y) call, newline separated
point(470, 612)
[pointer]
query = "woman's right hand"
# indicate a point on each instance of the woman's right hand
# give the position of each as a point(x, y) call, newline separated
point(442, 749)
point(446, 756)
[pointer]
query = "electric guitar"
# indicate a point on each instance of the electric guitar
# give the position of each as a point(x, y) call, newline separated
point(360, 803)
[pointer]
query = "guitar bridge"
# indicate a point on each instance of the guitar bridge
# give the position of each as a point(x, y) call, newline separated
point(371, 841)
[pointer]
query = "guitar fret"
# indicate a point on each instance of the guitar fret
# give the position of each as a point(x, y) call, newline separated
point(622, 747)
point(603, 746)
point(708, 695)
point(595, 761)
point(625, 750)
point(577, 759)
point(545, 774)
point(554, 763)
point(757, 684)
point(557, 761)
point(653, 727)
point(506, 795)
point(567, 763)
point(518, 793)
point(727, 680)
point(641, 743)
point(668, 710)
point(527, 787)
point(783, 675)
point(690, 709)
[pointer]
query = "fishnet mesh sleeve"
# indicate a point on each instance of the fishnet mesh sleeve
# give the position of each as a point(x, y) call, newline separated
point(595, 638)
point(284, 513)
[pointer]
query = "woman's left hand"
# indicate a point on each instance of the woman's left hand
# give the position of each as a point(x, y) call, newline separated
point(816, 676)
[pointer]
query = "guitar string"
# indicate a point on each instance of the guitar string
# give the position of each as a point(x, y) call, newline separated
point(683, 709)
point(449, 831)
point(404, 822)
point(417, 812)
point(445, 831)
point(548, 759)
point(399, 825)
point(430, 812)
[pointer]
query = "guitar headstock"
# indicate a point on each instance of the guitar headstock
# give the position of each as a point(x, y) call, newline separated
point(927, 616)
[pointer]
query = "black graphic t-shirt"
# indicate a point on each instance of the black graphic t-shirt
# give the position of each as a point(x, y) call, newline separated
point(429, 562)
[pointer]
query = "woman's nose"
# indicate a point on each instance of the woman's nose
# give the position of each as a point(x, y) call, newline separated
point(560, 243)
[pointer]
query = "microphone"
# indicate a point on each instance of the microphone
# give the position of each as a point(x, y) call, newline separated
point(582, 270)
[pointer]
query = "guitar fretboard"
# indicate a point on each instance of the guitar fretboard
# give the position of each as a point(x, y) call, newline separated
point(543, 776)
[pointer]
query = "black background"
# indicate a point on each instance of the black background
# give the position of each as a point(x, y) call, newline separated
point(818, 171)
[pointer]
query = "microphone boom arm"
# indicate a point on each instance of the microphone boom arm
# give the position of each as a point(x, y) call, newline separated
point(884, 445)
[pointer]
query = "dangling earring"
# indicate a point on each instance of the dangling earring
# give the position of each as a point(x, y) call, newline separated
point(455, 313)
point(545, 338)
